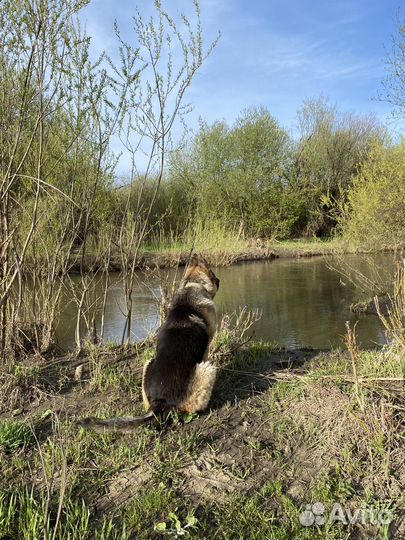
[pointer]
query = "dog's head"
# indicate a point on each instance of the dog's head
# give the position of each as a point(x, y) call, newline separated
point(198, 271)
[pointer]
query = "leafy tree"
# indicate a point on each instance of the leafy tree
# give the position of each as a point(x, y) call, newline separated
point(238, 174)
point(330, 152)
point(374, 215)
point(58, 113)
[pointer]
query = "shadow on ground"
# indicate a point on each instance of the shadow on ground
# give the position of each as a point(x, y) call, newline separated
point(252, 376)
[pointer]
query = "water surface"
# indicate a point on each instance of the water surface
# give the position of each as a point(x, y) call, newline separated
point(303, 302)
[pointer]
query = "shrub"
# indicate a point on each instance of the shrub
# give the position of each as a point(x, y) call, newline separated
point(374, 216)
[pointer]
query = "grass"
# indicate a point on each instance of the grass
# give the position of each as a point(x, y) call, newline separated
point(219, 244)
point(18, 383)
point(285, 431)
point(310, 246)
point(210, 235)
point(222, 246)
point(23, 516)
point(14, 435)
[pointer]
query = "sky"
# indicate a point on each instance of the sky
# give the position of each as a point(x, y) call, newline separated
point(273, 53)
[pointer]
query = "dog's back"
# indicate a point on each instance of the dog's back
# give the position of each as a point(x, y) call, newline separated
point(181, 344)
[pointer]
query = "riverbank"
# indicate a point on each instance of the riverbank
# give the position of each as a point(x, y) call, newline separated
point(285, 429)
point(239, 251)
point(258, 250)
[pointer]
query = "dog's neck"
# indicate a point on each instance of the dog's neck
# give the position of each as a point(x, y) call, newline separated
point(194, 284)
point(205, 285)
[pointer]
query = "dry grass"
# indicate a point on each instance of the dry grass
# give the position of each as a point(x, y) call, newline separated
point(284, 430)
point(394, 320)
point(232, 335)
point(211, 238)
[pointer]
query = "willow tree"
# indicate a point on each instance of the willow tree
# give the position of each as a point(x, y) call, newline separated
point(41, 61)
point(59, 111)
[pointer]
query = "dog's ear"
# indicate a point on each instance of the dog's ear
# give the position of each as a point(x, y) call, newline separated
point(213, 278)
point(198, 260)
point(194, 261)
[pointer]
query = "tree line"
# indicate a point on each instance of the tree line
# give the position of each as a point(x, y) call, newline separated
point(261, 182)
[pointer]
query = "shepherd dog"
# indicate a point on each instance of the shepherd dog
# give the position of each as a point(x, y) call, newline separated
point(180, 377)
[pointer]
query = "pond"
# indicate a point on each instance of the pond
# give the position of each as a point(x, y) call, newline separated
point(303, 302)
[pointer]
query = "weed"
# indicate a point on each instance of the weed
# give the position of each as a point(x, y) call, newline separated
point(147, 509)
point(174, 528)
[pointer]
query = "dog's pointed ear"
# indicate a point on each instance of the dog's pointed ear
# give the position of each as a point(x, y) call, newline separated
point(194, 261)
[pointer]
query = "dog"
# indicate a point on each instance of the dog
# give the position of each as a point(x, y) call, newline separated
point(180, 377)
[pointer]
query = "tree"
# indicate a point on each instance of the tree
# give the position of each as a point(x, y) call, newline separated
point(157, 82)
point(58, 113)
point(393, 84)
point(236, 174)
point(42, 59)
point(330, 152)
point(374, 215)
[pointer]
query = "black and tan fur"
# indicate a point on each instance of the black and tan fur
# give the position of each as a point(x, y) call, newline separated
point(180, 376)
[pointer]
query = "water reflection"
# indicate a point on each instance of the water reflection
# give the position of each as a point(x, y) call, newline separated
point(303, 303)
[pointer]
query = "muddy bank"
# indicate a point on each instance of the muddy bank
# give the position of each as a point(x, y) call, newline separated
point(61, 381)
point(214, 257)
point(172, 260)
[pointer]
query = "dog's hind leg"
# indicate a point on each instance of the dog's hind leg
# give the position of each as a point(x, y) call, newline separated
point(200, 388)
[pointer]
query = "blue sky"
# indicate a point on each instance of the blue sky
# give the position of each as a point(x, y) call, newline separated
point(275, 53)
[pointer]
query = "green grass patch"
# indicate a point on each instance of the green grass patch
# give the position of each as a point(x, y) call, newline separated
point(206, 236)
point(14, 435)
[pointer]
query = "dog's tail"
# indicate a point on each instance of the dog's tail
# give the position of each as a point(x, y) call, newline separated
point(123, 424)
